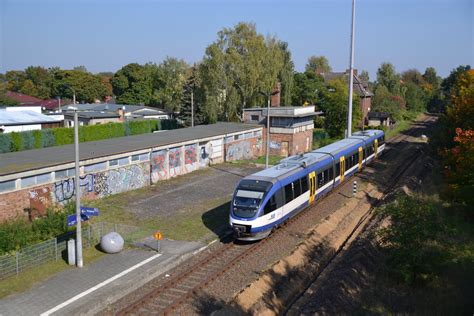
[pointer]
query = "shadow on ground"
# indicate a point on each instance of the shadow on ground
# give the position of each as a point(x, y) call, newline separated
point(217, 220)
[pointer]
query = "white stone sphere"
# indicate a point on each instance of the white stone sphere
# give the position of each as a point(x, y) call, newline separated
point(112, 242)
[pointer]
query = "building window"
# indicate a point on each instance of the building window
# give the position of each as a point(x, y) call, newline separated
point(254, 117)
point(7, 186)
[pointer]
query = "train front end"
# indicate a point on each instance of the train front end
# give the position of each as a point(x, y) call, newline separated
point(246, 208)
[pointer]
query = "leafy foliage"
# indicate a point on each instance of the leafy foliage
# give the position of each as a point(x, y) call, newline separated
point(318, 65)
point(307, 88)
point(237, 67)
point(168, 81)
point(334, 105)
point(17, 234)
point(410, 237)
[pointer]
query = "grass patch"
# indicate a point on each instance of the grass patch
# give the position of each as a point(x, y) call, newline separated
point(193, 224)
point(28, 278)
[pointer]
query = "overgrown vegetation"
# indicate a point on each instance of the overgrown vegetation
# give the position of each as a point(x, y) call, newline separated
point(12, 142)
point(19, 233)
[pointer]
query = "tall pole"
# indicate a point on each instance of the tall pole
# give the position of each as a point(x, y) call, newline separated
point(351, 74)
point(79, 262)
point(268, 132)
point(192, 108)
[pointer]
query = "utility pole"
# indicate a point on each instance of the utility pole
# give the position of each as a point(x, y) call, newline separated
point(192, 108)
point(268, 132)
point(351, 73)
point(79, 262)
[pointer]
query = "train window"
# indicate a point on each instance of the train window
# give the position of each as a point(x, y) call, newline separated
point(331, 174)
point(279, 197)
point(320, 179)
point(297, 188)
point(304, 184)
point(338, 169)
point(326, 176)
point(271, 205)
point(288, 193)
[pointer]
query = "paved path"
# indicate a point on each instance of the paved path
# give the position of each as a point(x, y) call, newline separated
point(89, 290)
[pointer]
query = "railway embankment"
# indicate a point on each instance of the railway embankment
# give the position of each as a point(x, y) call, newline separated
point(282, 284)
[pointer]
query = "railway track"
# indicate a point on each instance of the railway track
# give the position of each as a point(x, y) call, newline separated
point(165, 298)
point(365, 220)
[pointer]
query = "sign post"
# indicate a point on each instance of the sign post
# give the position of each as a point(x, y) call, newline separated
point(158, 237)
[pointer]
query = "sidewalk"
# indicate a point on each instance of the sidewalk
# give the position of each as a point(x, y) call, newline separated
point(88, 290)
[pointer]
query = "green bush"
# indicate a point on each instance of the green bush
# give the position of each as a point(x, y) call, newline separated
point(63, 136)
point(12, 142)
point(47, 139)
point(410, 239)
point(5, 143)
point(28, 140)
point(17, 234)
point(17, 142)
point(38, 135)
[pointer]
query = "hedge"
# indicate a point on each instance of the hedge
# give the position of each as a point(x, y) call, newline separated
point(18, 141)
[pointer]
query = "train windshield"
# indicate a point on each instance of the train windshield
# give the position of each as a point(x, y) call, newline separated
point(248, 197)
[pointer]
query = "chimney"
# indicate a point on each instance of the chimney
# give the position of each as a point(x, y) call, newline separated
point(275, 98)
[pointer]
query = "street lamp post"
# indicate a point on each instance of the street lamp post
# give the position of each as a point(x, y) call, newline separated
point(79, 261)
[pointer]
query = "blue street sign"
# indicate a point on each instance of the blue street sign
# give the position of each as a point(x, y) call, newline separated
point(90, 211)
point(71, 219)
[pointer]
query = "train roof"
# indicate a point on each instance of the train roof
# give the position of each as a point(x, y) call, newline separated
point(293, 164)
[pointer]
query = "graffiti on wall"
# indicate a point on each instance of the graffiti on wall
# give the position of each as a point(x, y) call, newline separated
point(205, 152)
point(175, 161)
point(238, 151)
point(190, 157)
point(64, 190)
point(40, 199)
point(159, 167)
point(128, 178)
point(275, 145)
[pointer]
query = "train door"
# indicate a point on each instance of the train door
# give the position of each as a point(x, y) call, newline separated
point(312, 186)
point(361, 156)
point(376, 146)
point(342, 163)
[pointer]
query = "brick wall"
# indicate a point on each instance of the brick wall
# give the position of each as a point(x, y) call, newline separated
point(20, 203)
point(297, 143)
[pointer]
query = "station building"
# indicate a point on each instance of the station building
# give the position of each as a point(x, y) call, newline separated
point(291, 127)
point(33, 180)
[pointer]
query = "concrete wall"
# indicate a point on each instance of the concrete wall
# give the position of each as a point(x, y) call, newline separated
point(31, 195)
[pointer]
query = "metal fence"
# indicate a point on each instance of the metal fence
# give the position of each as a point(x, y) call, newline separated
point(56, 249)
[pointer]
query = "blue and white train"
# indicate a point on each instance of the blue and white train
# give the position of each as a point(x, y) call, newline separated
point(266, 199)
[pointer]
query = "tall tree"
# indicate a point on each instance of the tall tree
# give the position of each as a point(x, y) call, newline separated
point(168, 84)
point(88, 87)
point(132, 84)
point(364, 76)
point(307, 88)
point(334, 106)
point(318, 64)
point(387, 76)
point(192, 93)
point(430, 76)
point(286, 75)
point(238, 66)
point(414, 76)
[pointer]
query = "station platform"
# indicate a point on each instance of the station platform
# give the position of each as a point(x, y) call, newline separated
point(88, 290)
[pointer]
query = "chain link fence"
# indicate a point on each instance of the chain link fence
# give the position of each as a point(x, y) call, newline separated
point(56, 249)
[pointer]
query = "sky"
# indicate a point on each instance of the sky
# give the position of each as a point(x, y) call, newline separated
point(105, 35)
